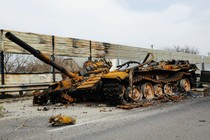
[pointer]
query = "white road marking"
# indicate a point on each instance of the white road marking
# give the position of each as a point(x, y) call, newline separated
point(97, 120)
point(89, 122)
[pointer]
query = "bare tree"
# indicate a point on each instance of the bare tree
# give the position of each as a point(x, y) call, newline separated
point(37, 66)
point(185, 49)
point(15, 62)
point(21, 63)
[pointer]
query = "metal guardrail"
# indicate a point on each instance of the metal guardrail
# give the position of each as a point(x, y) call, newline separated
point(23, 87)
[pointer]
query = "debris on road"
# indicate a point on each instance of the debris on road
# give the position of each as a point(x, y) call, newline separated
point(43, 109)
point(1, 112)
point(62, 120)
point(202, 120)
point(135, 105)
point(105, 110)
point(200, 89)
point(102, 105)
point(160, 99)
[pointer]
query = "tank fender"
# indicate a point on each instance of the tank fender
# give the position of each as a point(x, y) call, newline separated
point(116, 75)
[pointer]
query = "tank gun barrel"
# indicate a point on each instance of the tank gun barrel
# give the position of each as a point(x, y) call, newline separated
point(39, 55)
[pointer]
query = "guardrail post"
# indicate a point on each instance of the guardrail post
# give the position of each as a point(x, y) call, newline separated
point(53, 57)
point(202, 63)
point(2, 67)
point(202, 66)
point(90, 56)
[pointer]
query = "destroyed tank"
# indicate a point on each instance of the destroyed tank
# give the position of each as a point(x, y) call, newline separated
point(84, 84)
point(128, 83)
point(148, 80)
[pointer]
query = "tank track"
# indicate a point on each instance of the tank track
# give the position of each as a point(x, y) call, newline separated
point(114, 90)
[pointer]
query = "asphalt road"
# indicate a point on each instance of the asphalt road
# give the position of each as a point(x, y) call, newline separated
point(186, 120)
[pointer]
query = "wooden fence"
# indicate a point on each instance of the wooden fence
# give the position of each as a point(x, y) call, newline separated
point(72, 47)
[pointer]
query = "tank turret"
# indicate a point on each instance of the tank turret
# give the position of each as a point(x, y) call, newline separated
point(68, 90)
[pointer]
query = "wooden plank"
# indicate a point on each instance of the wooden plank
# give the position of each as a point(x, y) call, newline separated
point(127, 54)
point(28, 87)
point(58, 77)
point(38, 41)
point(80, 43)
point(74, 52)
point(63, 46)
point(125, 48)
point(97, 45)
point(80, 48)
point(100, 49)
point(12, 79)
point(72, 47)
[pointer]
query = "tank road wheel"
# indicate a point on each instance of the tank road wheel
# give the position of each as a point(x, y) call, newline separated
point(148, 91)
point(185, 84)
point(168, 89)
point(158, 90)
point(136, 96)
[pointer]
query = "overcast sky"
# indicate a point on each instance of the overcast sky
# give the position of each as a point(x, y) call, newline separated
point(139, 23)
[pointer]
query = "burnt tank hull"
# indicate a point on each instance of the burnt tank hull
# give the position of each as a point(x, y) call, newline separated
point(149, 80)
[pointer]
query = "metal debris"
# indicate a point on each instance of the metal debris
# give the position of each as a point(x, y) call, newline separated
point(200, 89)
point(102, 105)
point(157, 100)
point(105, 110)
point(62, 120)
point(135, 105)
point(202, 120)
point(43, 109)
